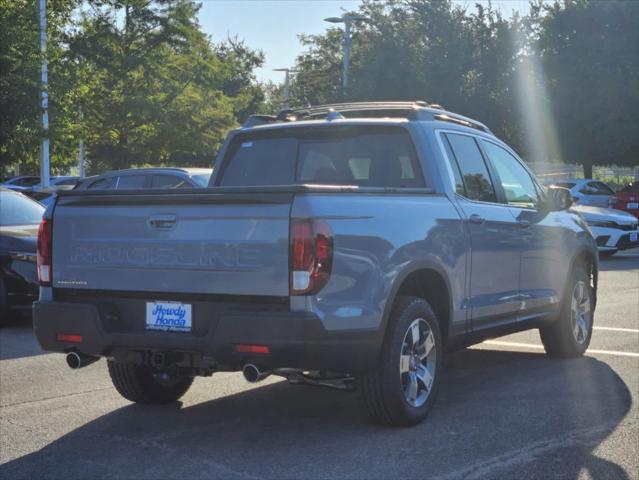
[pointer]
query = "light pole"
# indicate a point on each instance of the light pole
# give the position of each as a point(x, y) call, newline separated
point(346, 19)
point(44, 78)
point(287, 71)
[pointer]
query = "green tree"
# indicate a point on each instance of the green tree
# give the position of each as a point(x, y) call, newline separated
point(20, 127)
point(589, 51)
point(154, 90)
point(419, 50)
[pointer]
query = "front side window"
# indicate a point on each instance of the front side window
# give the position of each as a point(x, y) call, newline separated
point(474, 172)
point(516, 182)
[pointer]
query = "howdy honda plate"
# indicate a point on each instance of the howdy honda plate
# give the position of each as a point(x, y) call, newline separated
point(168, 316)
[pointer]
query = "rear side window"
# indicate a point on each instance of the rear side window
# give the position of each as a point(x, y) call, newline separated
point(477, 182)
point(128, 182)
point(102, 184)
point(596, 188)
point(363, 156)
point(168, 181)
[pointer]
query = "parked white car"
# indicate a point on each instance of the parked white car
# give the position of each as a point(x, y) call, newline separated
point(613, 230)
point(586, 191)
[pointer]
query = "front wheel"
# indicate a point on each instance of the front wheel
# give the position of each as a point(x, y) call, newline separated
point(141, 384)
point(570, 334)
point(402, 388)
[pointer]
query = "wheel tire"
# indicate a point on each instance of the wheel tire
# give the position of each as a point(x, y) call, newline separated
point(384, 389)
point(139, 384)
point(568, 336)
point(4, 300)
point(607, 253)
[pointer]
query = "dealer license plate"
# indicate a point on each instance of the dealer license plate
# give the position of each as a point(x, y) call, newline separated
point(633, 206)
point(168, 316)
point(634, 237)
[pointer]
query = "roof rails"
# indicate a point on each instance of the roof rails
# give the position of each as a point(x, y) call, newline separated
point(414, 110)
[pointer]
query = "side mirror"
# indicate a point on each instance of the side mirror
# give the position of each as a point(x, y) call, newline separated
point(557, 198)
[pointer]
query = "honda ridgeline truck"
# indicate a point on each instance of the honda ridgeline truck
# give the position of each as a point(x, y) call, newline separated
point(346, 245)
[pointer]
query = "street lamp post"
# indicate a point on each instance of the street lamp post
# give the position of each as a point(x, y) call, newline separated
point(346, 19)
point(287, 72)
point(44, 98)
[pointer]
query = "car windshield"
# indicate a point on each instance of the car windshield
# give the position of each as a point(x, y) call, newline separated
point(19, 210)
point(632, 188)
point(202, 179)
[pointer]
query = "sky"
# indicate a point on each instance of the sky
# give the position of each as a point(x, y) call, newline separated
point(272, 26)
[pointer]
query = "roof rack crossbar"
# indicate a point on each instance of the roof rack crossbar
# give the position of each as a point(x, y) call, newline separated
point(411, 110)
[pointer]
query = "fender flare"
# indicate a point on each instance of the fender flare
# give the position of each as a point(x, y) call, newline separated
point(423, 264)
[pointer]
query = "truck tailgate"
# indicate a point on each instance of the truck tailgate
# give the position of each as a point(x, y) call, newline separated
point(217, 243)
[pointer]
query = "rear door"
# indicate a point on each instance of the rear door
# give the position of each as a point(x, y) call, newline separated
point(495, 256)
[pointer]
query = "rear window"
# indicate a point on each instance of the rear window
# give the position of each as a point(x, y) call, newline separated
point(567, 185)
point(362, 156)
point(19, 210)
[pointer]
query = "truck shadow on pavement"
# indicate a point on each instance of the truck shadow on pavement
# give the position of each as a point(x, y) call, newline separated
point(499, 415)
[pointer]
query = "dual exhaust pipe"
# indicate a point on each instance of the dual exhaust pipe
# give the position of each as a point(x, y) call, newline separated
point(252, 373)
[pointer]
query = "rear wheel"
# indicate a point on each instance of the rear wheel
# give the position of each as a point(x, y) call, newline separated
point(569, 335)
point(402, 388)
point(141, 384)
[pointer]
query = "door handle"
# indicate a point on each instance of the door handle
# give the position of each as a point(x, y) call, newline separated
point(478, 219)
point(523, 223)
point(162, 222)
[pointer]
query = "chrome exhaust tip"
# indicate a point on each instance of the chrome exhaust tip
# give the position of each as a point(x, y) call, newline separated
point(253, 374)
point(77, 360)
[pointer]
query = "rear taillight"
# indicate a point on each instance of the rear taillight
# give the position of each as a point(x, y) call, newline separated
point(311, 256)
point(44, 253)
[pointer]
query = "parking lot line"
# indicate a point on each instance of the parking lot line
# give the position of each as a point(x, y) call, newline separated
point(540, 347)
point(617, 329)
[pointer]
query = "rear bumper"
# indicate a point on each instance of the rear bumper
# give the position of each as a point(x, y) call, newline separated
point(295, 339)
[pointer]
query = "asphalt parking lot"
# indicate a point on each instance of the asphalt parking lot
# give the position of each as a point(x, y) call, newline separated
point(505, 410)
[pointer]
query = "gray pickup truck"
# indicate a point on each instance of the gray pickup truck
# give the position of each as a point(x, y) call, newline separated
point(346, 245)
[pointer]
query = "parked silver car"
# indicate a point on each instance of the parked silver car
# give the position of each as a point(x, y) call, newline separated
point(157, 178)
point(587, 191)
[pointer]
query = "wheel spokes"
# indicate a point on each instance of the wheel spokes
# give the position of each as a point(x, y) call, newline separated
point(414, 331)
point(412, 388)
point(425, 377)
point(404, 364)
point(426, 346)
